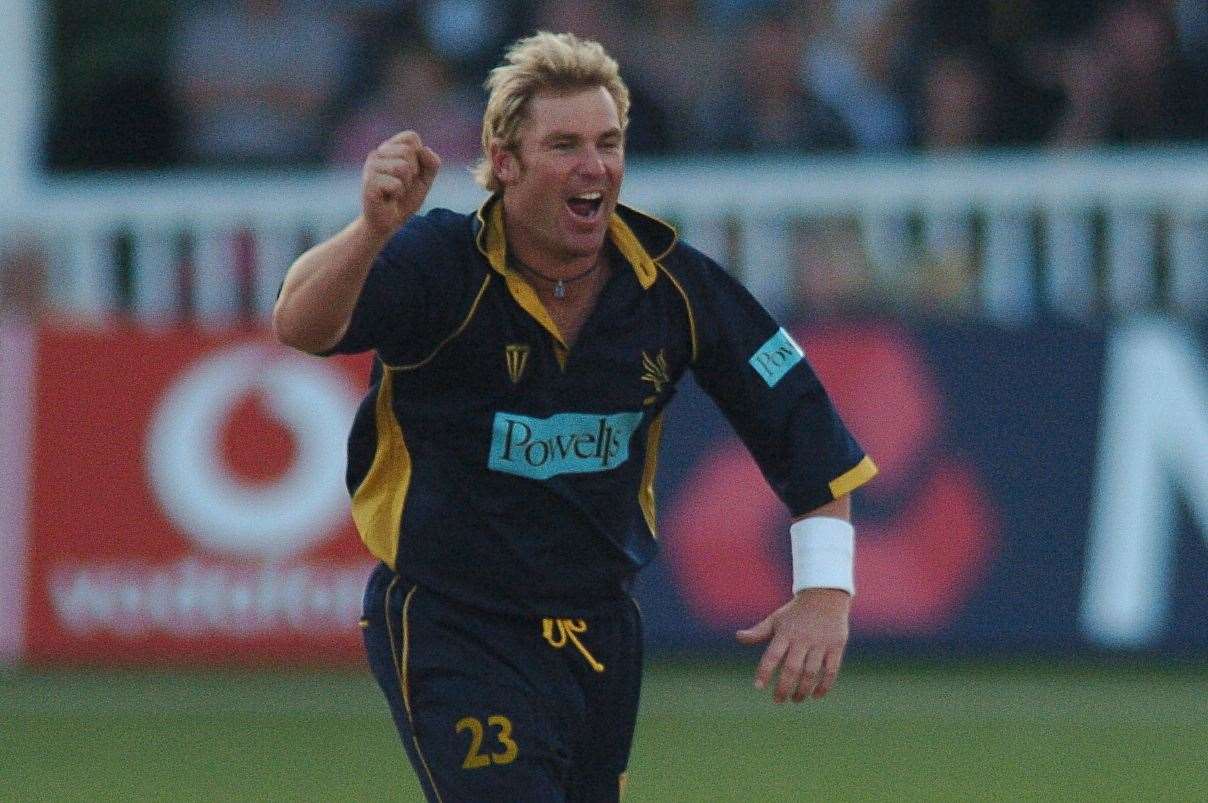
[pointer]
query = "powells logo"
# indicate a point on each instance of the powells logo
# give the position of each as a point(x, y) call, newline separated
point(776, 357)
point(567, 443)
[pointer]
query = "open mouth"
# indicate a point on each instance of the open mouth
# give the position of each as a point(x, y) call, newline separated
point(585, 205)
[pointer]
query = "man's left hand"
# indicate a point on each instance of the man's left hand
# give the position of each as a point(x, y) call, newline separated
point(807, 635)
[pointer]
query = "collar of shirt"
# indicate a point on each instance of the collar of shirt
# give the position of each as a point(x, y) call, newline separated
point(641, 238)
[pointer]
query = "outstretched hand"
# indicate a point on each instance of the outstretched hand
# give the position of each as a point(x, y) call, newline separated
point(807, 637)
point(395, 181)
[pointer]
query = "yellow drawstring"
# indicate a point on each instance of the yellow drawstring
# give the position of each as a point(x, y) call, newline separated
point(569, 630)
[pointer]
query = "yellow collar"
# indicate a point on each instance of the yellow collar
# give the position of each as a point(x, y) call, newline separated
point(492, 241)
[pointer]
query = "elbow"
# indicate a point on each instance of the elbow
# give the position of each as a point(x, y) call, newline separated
point(292, 329)
point(287, 331)
point(281, 325)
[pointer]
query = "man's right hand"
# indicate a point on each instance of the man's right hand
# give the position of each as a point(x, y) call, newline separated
point(321, 288)
point(395, 181)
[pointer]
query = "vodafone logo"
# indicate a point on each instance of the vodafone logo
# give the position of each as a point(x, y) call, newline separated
point(199, 489)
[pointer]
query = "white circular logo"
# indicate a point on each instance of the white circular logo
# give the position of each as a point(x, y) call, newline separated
point(198, 491)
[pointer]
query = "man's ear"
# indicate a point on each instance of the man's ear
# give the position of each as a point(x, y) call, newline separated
point(504, 162)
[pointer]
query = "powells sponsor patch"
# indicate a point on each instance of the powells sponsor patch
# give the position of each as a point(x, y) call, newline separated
point(566, 443)
point(775, 357)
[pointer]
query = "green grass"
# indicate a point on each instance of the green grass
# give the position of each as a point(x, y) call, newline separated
point(1025, 732)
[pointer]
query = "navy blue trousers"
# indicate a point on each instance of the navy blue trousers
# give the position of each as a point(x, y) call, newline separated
point(500, 708)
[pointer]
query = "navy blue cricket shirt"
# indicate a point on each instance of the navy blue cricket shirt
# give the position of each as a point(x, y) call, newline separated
point(492, 464)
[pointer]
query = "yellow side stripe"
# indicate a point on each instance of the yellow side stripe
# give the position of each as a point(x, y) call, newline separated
point(853, 478)
point(378, 502)
point(403, 679)
point(649, 471)
point(400, 668)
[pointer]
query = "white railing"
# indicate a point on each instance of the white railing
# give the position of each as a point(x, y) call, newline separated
point(1073, 234)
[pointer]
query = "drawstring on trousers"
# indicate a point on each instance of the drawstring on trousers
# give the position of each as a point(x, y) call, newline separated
point(568, 630)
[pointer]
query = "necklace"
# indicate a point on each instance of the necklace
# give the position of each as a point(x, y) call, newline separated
point(559, 284)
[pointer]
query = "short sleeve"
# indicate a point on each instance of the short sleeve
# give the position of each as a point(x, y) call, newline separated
point(763, 383)
point(412, 294)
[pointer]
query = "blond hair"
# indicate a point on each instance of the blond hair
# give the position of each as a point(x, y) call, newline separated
point(543, 62)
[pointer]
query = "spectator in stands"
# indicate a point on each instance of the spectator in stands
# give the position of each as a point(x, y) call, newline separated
point(856, 57)
point(377, 30)
point(110, 104)
point(1016, 50)
point(254, 78)
point(1191, 20)
point(956, 96)
point(673, 58)
point(600, 20)
point(1155, 95)
point(469, 35)
point(766, 107)
point(723, 14)
point(1125, 81)
point(414, 91)
point(1086, 97)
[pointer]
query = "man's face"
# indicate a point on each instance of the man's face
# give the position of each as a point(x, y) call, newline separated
point(561, 184)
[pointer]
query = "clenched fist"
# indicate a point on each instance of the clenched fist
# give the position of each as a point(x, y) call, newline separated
point(395, 180)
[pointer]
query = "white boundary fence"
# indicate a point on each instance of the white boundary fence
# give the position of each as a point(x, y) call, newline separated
point(1072, 234)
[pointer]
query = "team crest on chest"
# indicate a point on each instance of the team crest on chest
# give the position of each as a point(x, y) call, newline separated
point(654, 371)
point(516, 355)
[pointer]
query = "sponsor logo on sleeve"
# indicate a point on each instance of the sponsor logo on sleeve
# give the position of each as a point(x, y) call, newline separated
point(566, 443)
point(775, 357)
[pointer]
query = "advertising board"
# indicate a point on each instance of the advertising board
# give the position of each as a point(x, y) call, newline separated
point(1041, 488)
point(188, 500)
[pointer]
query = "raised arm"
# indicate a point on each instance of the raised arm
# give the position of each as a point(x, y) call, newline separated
point(322, 286)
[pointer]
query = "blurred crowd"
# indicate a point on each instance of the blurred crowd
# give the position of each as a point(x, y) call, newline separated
point(304, 82)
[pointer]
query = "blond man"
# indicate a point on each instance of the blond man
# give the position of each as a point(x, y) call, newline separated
point(502, 465)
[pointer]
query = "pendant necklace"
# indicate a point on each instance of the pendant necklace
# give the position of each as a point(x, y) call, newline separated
point(559, 284)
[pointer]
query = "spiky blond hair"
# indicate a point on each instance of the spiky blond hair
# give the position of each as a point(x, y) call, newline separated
point(543, 62)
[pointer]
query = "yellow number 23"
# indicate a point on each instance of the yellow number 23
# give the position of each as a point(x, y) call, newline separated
point(475, 759)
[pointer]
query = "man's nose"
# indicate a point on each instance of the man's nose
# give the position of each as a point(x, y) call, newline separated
point(592, 164)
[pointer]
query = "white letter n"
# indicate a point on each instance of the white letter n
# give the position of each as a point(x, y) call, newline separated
point(1153, 441)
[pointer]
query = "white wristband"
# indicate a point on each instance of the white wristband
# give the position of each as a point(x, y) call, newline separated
point(823, 553)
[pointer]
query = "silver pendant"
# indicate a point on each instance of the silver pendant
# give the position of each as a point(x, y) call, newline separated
point(559, 290)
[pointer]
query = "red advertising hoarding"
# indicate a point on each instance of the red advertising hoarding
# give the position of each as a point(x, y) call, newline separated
point(176, 495)
point(188, 500)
